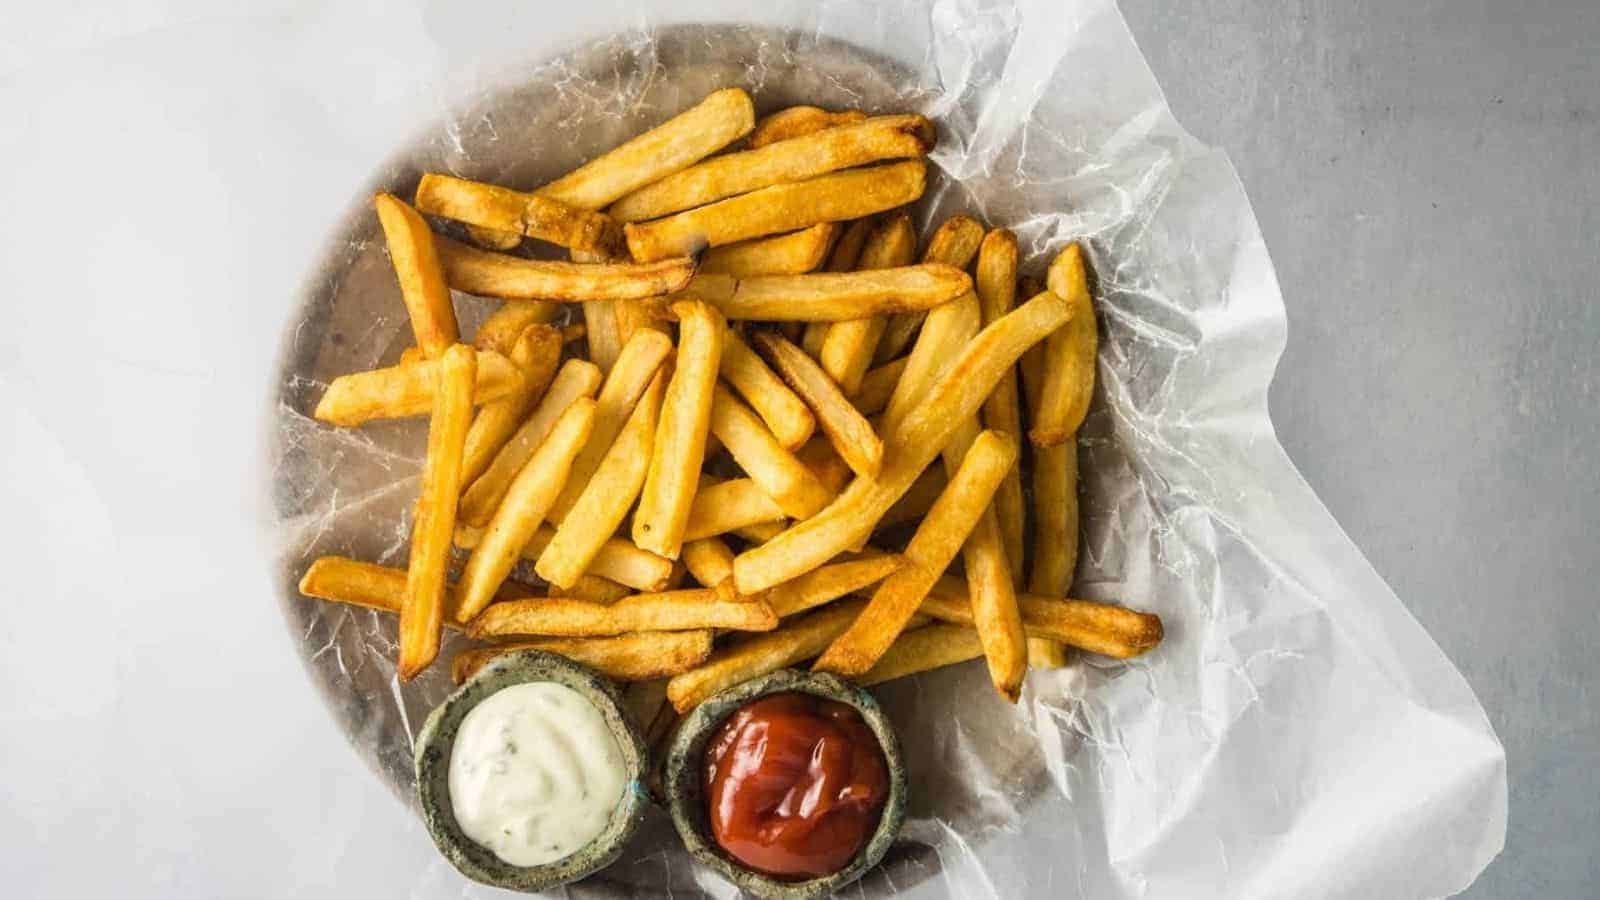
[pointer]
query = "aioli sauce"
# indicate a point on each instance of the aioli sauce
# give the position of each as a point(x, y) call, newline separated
point(795, 785)
point(535, 773)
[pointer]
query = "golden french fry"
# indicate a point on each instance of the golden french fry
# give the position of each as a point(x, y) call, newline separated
point(618, 560)
point(1069, 356)
point(877, 386)
point(848, 348)
point(786, 254)
point(408, 390)
point(725, 506)
point(906, 451)
point(509, 277)
point(608, 494)
point(760, 533)
point(834, 197)
point(674, 472)
point(422, 616)
point(930, 551)
point(847, 430)
point(1055, 518)
point(829, 583)
point(917, 500)
point(945, 331)
point(605, 341)
point(873, 140)
point(411, 356)
point(630, 657)
point(710, 562)
point(784, 412)
point(574, 380)
point(994, 605)
point(669, 611)
point(842, 258)
point(795, 489)
point(721, 118)
point(798, 121)
point(830, 296)
point(499, 332)
point(995, 282)
point(536, 354)
point(635, 368)
point(503, 210)
point(422, 281)
point(593, 589)
point(382, 588)
point(526, 502)
point(1096, 627)
point(922, 649)
point(955, 242)
point(1044, 653)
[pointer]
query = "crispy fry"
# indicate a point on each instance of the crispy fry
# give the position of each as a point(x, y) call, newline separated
point(834, 197)
point(917, 500)
point(722, 117)
point(1069, 356)
point(382, 588)
point(489, 274)
point(710, 562)
point(422, 282)
point(847, 430)
point(411, 356)
point(946, 329)
point(786, 254)
point(503, 210)
point(830, 582)
point(407, 390)
point(848, 347)
point(955, 243)
point(1096, 627)
point(906, 451)
point(607, 496)
point(922, 649)
point(798, 121)
point(877, 386)
point(830, 296)
point(422, 616)
point(618, 559)
point(536, 354)
point(786, 480)
point(994, 602)
point(784, 412)
point(593, 589)
point(630, 657)
point(1055, 518)
point(669, 611)
point(669, 486)
point(526, 502)
point(499, 332)
point(605, 341)
point(761, 532)
point(574, 380)
point(723, 506)
point(935, 544)
point(995, 282)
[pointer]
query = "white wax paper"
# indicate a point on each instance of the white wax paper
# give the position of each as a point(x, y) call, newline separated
point(1296, 735)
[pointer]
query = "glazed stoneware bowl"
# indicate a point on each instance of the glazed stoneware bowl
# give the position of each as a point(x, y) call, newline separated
point(685, 789)
point(438, 735)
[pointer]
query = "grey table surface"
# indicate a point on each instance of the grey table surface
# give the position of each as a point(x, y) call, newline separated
point(1427, 176)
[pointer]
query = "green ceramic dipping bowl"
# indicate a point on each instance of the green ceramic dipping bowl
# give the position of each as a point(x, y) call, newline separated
point(433, 773)
point(685, 792)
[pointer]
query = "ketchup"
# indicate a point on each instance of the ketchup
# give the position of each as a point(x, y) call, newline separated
point(795, 785)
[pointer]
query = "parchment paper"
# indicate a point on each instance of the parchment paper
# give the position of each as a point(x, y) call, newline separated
point(1297, 734)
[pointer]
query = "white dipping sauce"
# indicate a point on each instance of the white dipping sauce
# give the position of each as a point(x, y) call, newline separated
point(535, 774)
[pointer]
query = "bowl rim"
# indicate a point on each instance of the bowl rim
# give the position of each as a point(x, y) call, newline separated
point(432, 757)
point(681, 781)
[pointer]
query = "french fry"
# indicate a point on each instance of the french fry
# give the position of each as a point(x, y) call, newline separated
point(503, 210)
point(877, 386)
point(499, 332)
point(605, 341)
point(946, 329)
point(829, 583)
point(847, 430)
point(830, 296)
point(955, 242)
point(786, 254)
point(721, 118)
point(526, 502)
point(786, 480)
point(411, 356)
point(1102, 628)
point(630, 657)
point(798, 121)
point(721, 507)
point(936, 542)
point(784, 413)
point(994, 605)
point(1055, 518)
point(917, 500)
point(341, 580)
point(923, 649)
point(906, 452)
point(842, 258)
point(408, 390)
point(995, 282)
point(761, 532)
point(608, 494)
point(422, 615)
point(422, 281)
point(848, 348)
point(670, 481)
point(593, 589)
point(509, 277)
point(575, 379)
point(536, 354)
point(873, 140)
point(1069, 356)
point(833, 197)
point(710, 562)
point(1044, 653)
point(669, 611)
point(618, 559)
point(636, 367)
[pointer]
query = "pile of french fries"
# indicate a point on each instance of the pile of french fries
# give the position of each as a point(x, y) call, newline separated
point(771, 393)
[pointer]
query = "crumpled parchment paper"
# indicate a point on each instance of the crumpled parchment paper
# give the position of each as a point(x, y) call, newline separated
point(1297, 734)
